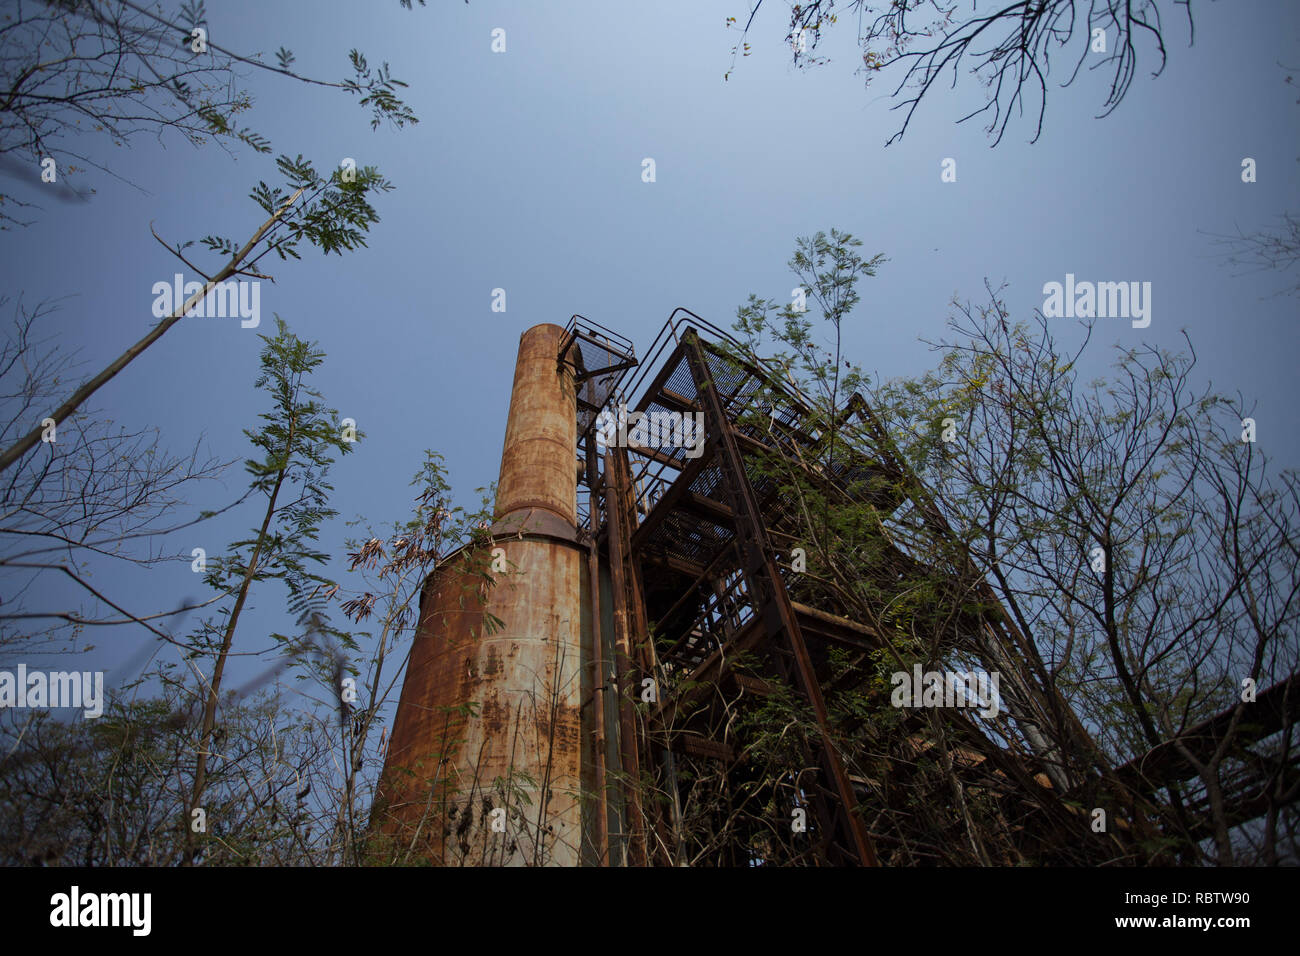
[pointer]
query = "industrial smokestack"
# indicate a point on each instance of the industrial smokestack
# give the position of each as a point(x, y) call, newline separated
point(484, 765)
point(537, 460)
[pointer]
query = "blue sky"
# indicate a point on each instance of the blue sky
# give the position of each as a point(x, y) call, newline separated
point(524, 173)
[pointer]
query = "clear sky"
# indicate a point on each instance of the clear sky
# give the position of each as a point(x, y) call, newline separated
point(524, 173)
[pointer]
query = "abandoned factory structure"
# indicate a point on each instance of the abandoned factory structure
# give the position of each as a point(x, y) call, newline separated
point(651, 657)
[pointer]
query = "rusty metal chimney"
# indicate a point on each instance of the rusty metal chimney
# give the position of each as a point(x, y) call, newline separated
point(538, 458)
point(484, 765)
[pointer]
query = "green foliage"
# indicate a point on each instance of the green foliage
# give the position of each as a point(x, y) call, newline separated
point(298, 441)
point(377, 90)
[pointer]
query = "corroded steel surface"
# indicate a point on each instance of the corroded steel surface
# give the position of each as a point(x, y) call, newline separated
point(484, 765)
point(537, 461)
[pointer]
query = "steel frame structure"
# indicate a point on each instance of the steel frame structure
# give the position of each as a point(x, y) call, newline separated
point(693, 551)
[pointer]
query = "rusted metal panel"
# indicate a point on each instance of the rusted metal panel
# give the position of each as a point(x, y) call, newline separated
point(755, 685)
point(709, 749)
